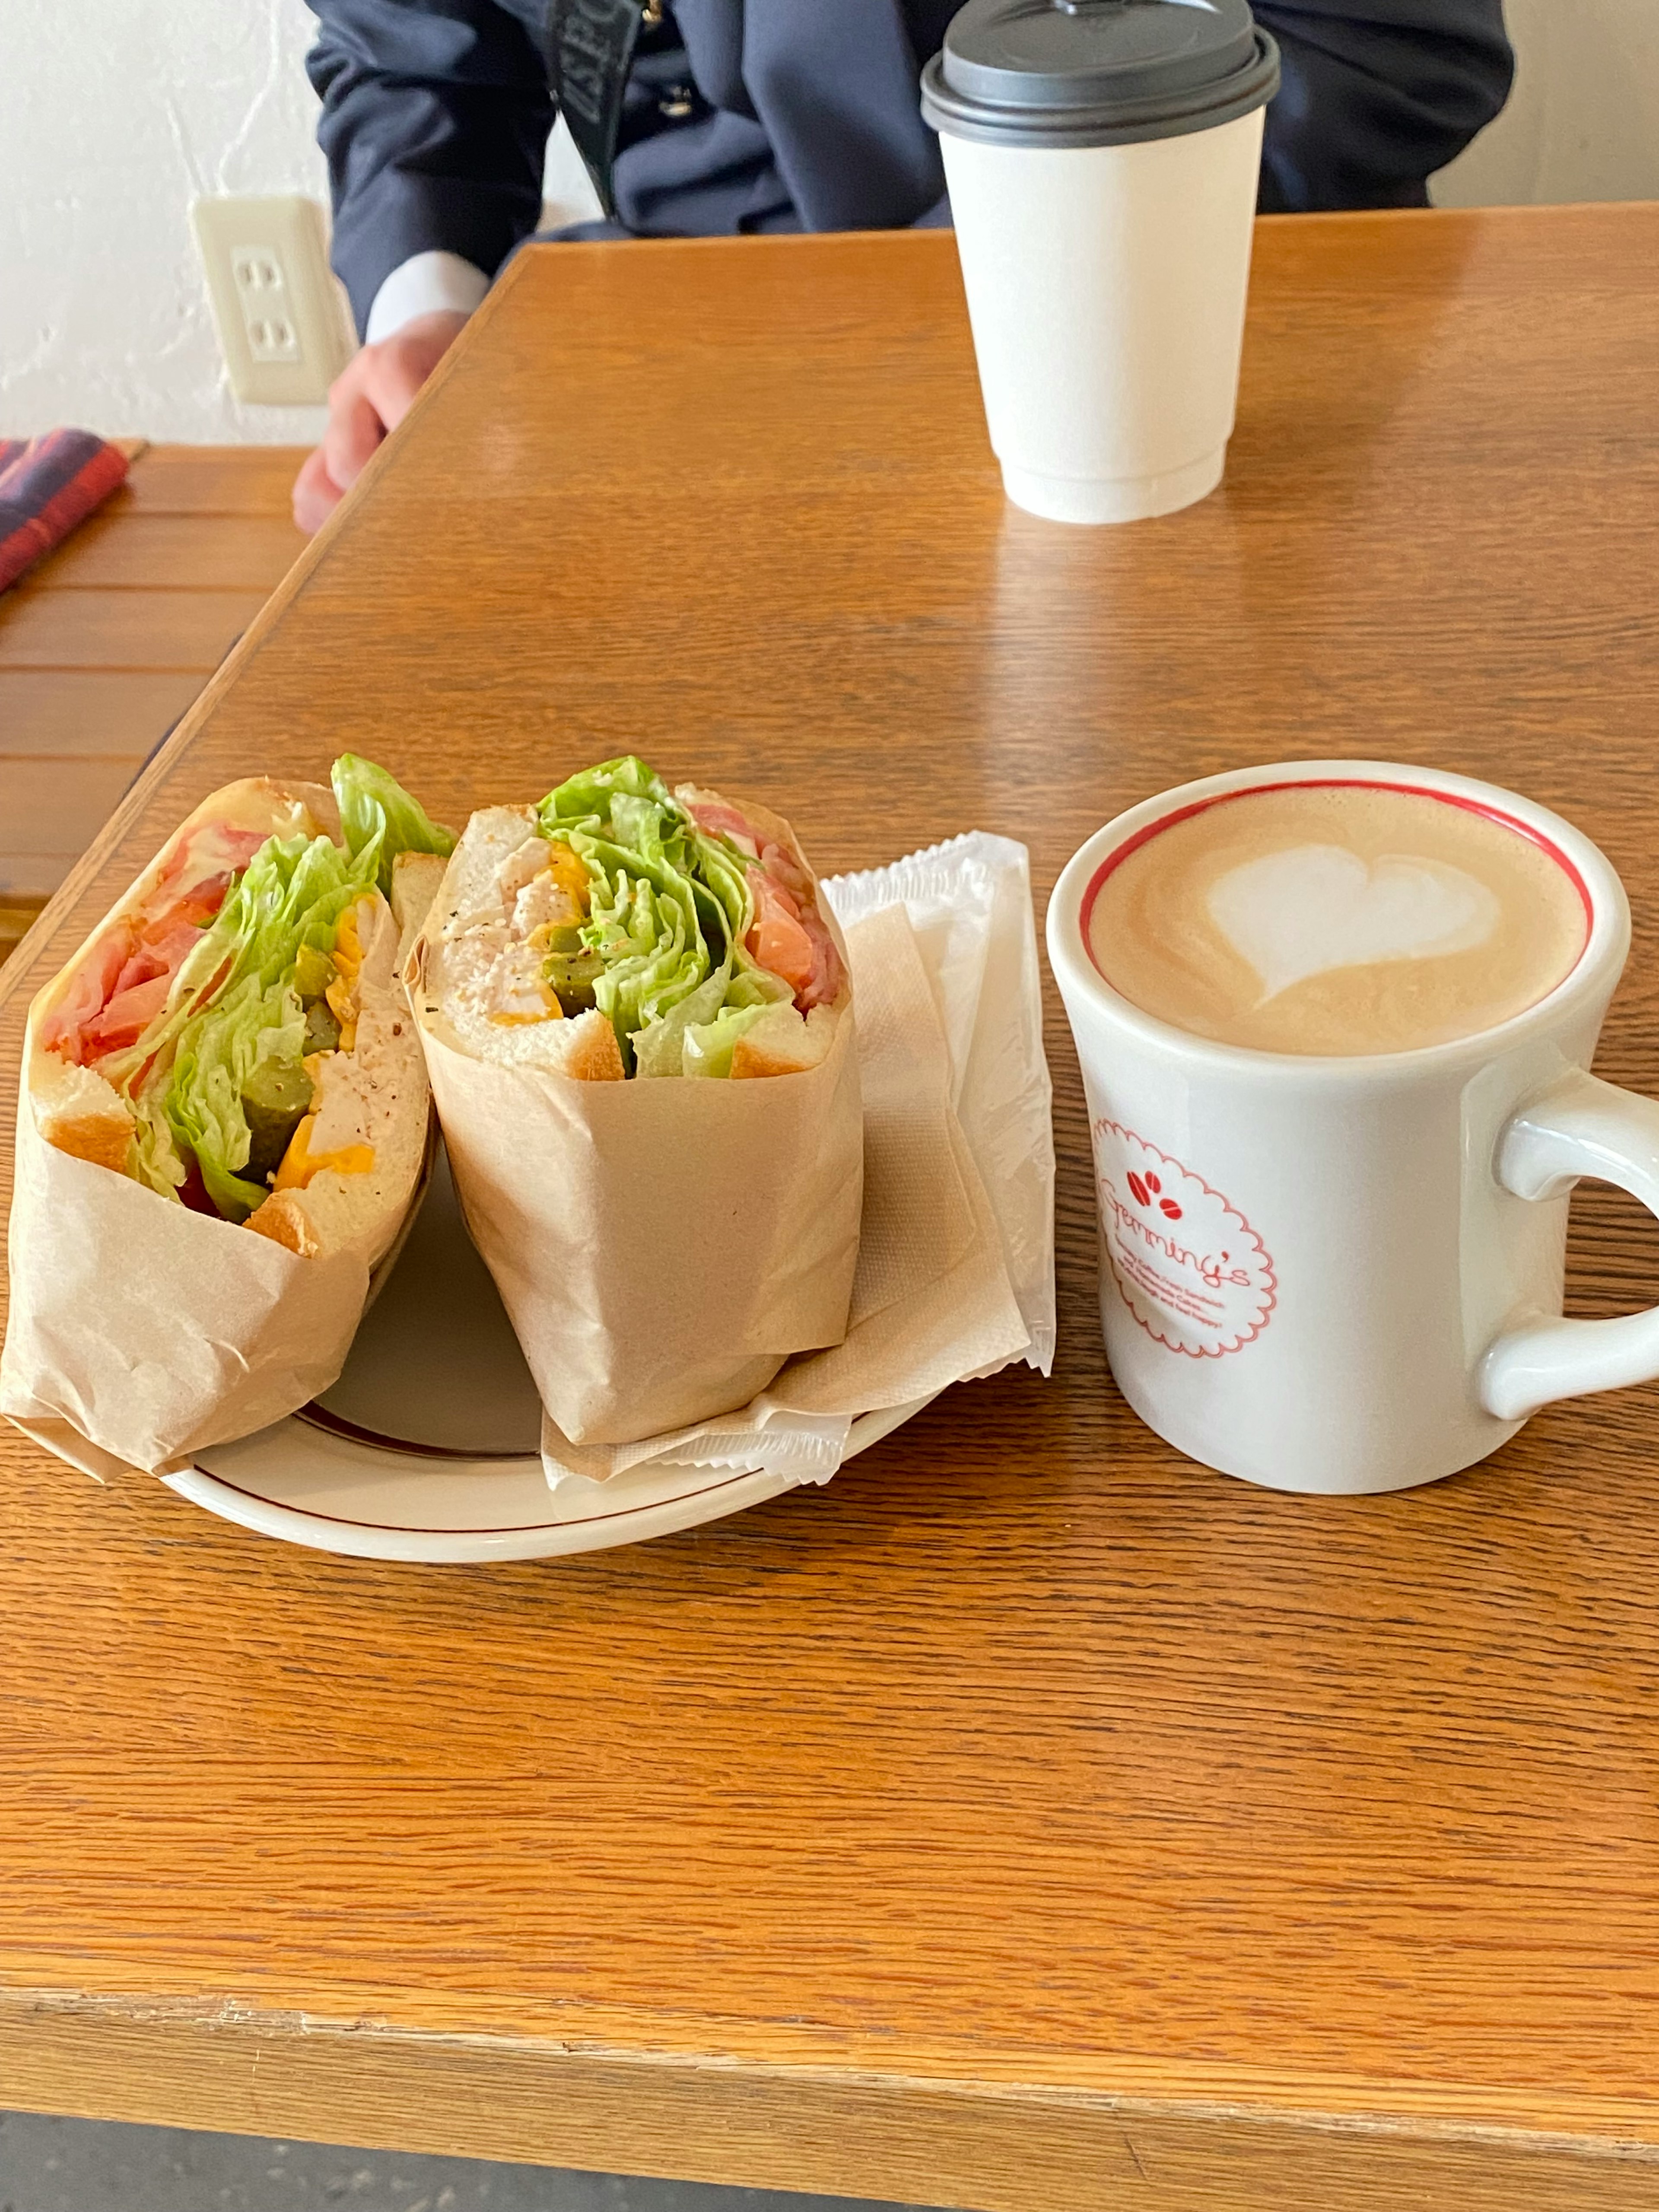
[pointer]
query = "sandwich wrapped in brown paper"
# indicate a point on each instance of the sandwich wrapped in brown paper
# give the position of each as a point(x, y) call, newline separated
point(663, 1238)
point(956, 1261)
point(141, 1329)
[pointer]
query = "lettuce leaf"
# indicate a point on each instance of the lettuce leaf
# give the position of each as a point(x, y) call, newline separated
point(661, 1050)
point(155, 1156)
point(708, 1050)
point(378, 819)
point(670, 908)
point(218, 1052)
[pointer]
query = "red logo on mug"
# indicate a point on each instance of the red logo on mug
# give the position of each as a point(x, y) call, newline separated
point(1187, 1265)
point(1148, 1192)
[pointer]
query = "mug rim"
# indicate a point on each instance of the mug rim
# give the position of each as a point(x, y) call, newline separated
point(1070, 904)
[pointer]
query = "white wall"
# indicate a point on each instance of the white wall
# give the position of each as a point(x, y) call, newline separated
point(1583, 123)
point(114, 114)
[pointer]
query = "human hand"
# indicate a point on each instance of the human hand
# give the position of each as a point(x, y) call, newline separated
point(369, 397)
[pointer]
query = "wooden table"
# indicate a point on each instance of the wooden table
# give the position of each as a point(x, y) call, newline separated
point(1031, 1819)
point(105, 643)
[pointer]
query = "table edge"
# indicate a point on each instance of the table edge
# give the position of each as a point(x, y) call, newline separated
point(36, 2023)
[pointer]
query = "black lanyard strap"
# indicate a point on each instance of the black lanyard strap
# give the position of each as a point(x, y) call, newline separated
point(590, 50)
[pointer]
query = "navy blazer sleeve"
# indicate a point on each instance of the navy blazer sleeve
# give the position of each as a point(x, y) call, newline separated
point(1376, 95)
point(435, 120)
point(436, 114)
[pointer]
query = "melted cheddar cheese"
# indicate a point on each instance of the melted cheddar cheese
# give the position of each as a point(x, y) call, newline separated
point(300, 1164)
point(342, 994)
point(569, 871)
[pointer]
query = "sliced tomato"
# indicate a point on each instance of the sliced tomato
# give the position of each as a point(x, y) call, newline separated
point(193, 908)
point(147, 949)
point(168, 954)
point(784, 868)
point(158, 959)
point(126, 1017)
point(823, 985)
point(140, 968)
point(88, 991)
point(721, 820)
point(789, 935)
point(777, 939)
point(193, 1192)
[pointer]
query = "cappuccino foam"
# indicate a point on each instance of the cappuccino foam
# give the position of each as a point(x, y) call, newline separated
point(1336, 919)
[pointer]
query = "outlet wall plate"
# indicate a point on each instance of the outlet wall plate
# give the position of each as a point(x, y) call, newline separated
point(281, 323)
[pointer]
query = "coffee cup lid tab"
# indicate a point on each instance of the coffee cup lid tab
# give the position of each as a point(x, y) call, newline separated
point(1097, 72)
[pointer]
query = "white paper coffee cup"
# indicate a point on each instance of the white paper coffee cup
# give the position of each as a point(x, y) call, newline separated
point(1103, 165)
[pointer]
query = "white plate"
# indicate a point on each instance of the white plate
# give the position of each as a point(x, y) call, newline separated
point(425, 1447)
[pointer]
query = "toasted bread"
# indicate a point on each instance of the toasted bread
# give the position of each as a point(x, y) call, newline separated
point(76, 1110)
point(416, 877)
point(783, 1042)
point(583, 1047)
point(286, 1219)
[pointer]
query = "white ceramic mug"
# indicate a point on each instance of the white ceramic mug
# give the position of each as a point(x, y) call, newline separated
point(1344, 1276)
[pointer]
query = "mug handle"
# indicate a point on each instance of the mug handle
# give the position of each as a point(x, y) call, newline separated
point(1579, 1126)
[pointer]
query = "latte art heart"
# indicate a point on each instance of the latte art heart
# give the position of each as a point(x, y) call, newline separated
point(1357, 892)
point(1309, 908)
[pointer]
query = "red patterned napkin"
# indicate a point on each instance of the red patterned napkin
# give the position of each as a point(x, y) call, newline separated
point(46, 486)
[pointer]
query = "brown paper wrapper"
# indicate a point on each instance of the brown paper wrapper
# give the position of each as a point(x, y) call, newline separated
point(140, 1332)
point(931, 1303)
point(661, 1246)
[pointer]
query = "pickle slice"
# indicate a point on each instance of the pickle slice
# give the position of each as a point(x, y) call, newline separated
point(322, 1029)
point(313, 971)
point(571, 976)
point(276, 1099)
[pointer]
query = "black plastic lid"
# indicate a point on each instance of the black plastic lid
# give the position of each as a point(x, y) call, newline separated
point(1097, 72)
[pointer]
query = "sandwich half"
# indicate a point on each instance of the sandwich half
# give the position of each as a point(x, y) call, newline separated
point(235, 1038)
point(601, 978)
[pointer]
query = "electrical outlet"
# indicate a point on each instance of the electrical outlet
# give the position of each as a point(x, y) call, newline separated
point(267, 312)
point(281, 322)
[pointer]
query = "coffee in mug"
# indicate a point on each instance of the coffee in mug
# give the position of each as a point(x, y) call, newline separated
point(1338, 918)
point(1335, 1021)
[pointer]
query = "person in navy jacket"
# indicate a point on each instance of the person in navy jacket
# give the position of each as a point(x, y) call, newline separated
point(747, 116)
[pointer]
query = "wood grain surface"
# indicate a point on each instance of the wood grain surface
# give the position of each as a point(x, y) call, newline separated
point(1031, 1819)
point(107, 641)
point(115, 628)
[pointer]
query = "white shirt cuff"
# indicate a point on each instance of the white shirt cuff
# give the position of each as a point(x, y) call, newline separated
point(420, 286)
